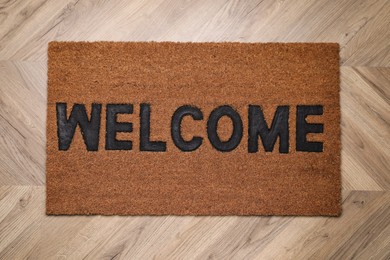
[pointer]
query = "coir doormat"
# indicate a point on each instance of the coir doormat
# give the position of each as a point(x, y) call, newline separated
point(150, 128)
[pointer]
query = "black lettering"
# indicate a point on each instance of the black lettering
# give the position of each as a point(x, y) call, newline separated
point(258, 126)
point(212, 125)
point(113, 127)
point(303, 128)
point(145, 143)
point(180, 113)
point(67, 127)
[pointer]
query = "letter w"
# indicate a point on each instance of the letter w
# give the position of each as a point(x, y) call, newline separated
point(67, 127)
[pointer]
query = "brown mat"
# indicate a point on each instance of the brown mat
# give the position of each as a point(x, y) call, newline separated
point(193, 128)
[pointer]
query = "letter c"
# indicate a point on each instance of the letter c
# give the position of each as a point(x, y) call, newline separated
point(180, 113)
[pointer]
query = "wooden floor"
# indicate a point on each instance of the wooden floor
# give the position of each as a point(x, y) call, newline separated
point(362, 27)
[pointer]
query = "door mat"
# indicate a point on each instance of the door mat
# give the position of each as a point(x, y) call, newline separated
point(146, 128)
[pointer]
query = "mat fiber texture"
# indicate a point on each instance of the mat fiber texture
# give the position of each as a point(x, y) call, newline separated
point(146, 128)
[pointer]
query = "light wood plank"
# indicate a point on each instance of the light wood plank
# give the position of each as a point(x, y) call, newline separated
point(359, 26)
point(365, 129)
point(23, 97)
point(371, 45)
point(24, 21)
point(27, 232)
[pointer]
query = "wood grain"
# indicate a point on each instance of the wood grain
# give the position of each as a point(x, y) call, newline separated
point(360, 26)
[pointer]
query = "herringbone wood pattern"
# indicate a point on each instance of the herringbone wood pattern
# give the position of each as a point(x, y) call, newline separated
point(362, 27)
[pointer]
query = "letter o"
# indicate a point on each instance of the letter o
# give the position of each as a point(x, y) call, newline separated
point(212, 125)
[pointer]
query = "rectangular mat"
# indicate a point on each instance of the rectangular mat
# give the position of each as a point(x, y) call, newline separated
point(145, 128)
